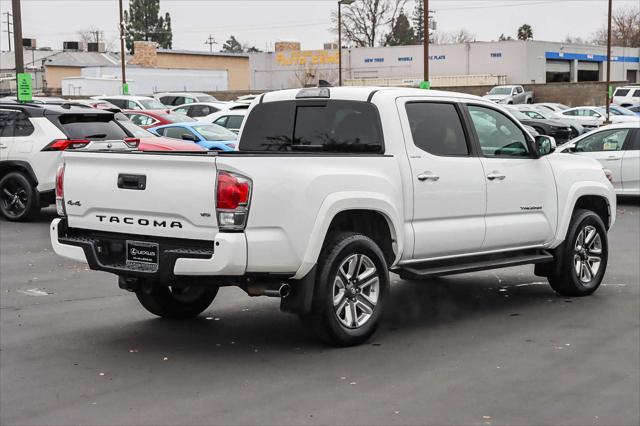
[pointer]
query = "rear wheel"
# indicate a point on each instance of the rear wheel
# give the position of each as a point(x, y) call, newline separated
point(583, 258)
point(574, 133)
point(18, 197)
point(176, 302)
point(351, 289)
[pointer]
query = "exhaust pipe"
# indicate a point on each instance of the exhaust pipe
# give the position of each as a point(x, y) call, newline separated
point(282, 291)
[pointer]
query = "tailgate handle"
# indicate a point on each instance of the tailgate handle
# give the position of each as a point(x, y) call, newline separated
point(136, 182)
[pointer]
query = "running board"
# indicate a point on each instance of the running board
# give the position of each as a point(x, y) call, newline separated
point(476, 263)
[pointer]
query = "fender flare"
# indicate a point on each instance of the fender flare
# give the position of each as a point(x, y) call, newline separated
point(343, 201)
point(578, 190)
point(15, 164)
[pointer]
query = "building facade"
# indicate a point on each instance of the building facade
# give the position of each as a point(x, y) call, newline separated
point(519, 62)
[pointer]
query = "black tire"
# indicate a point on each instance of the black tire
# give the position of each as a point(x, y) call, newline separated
point(19, 200)
point(176, 302)
point(579, 251)
point(529, 101)
point(540, 130)
point(328, 317)
point(574, 133)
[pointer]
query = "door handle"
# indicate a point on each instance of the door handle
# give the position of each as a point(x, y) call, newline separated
point(496, 176)
point(613, 158)
point(3, 146)
point(428, 176)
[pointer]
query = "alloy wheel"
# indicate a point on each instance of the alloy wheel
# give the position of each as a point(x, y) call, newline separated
point(13, 198)
point(587, 255)
point(356, 289)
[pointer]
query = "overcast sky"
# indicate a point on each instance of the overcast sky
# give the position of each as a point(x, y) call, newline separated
point(262, 22)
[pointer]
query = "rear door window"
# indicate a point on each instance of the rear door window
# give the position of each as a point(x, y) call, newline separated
point(326, 126)
point(120, 103)
point(437, 129)
point(14, 123)
point(235, 121)
point(92, 127)
point(621, 92)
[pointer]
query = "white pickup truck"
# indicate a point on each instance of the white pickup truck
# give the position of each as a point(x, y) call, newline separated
point(510, 95)
point(330, 190)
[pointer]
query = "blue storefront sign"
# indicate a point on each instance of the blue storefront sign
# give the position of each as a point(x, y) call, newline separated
point(590, 57)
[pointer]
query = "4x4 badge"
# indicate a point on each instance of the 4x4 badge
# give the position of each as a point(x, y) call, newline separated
point(74, 203)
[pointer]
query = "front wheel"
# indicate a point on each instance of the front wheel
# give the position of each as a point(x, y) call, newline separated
point(176, 302)
point(351, 289)
point(583, 257)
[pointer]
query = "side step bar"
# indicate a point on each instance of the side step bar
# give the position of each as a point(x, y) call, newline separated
point(471, 264)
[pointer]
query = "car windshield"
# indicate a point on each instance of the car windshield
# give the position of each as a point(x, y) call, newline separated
point(213, 132)
point(206, 98)
point(136, 131)
point(518, 114)
point(176, 117)
point(151, 104)
point(622, 111)
point(500, 91)
point(535, 115)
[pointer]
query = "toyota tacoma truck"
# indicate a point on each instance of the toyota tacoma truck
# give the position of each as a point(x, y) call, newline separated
point(511, 95)
point(331, 189)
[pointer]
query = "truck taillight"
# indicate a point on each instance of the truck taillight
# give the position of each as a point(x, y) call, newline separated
point(233, 195)
point(64, 144)
point(60, 191)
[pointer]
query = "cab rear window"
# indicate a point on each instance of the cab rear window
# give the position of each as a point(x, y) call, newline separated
point(333, 126)
point(92, 126)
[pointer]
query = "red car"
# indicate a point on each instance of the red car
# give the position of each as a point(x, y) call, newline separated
point(153, 118)
point(151, 142)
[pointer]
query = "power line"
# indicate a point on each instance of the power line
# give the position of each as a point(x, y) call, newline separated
point(211, 41)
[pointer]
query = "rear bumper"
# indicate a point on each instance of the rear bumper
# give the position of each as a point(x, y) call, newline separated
point(226, 255)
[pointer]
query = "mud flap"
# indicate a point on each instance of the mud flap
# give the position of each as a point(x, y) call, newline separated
point(301, 296)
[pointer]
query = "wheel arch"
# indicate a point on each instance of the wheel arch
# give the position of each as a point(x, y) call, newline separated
point(363, 213)
point(9, 166)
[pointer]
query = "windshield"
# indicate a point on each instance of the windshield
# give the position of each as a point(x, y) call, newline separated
point(92, 127)
point(518, 114)
point(176, 117)
point(213, 132)
point(136, 131)
point(206, 98)
point(500, 91)
point(621, 111)
point(535, 115)
point(151, 104)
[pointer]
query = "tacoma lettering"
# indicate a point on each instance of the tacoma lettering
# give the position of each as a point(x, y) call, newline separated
point(140, 221)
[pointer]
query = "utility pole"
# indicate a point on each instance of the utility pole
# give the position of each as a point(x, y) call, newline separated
point(122, 53)
point(609, 60)
point(426, 40)
point(8, 30)
point(17, 36)
point(211, 41)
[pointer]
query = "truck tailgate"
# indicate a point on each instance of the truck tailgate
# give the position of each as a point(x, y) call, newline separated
point(174, 196)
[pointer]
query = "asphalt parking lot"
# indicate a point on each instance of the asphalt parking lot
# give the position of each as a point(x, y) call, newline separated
point(497, 347)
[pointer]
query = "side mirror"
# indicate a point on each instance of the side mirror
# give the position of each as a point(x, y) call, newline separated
point(189, 137)
point(545, 145)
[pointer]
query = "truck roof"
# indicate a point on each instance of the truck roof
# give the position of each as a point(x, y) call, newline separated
point(357, 93)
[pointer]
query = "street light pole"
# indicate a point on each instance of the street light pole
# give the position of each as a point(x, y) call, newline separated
point(340, 3)
point(426, 40)
point(17, 36)
point(122, 53)
point(609, 59)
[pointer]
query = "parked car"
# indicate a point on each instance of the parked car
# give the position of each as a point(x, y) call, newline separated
point(595, 116)
point(46, 100)
point(513, 94)
point(32, 140)
point(231, 120)
point(560, 131)
point(153, 142)
point(154, 118)
point(132, 102)
point(202, 109)
point(541, 113)
point(171, 99)
point(209, 136)
point(324, 198)
point(97, 103)
point(246, 99)
point(635, 110)
point(555, 107)
point(618, 110)
point(627, 96)
point(617, 148)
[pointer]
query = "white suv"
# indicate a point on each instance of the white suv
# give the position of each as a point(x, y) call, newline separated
point(32, 139)
point(132, 102)
point(627, 96)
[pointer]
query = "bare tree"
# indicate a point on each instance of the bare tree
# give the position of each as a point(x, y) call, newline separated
point(95, 35)
point(460, 36)
point(625, 28)
point(364, 20)
point(575, 39)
